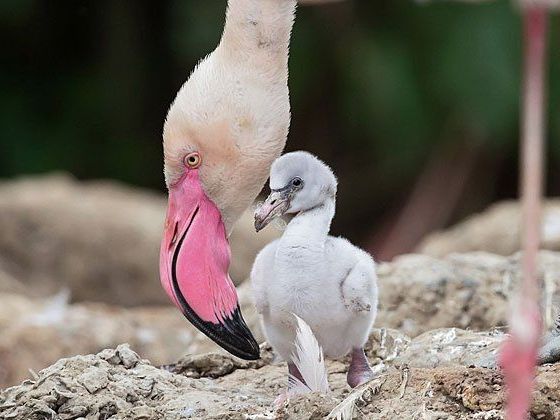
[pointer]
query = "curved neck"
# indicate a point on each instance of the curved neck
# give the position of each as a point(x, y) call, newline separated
point(259, 30)
point(311, 226)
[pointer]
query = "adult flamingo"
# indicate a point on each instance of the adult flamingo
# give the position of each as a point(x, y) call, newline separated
point(227, 125)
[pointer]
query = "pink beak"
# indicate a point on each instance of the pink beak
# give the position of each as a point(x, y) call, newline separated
point(194, 264)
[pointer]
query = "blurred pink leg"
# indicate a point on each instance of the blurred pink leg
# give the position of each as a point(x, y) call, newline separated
point(518, 356)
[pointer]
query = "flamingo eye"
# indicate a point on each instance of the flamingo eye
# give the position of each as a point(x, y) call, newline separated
point(193, 160)
point(297, 182)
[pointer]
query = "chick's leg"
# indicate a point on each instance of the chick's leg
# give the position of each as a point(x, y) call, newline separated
point(360, 372)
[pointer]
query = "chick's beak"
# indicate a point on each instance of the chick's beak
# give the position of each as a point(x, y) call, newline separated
point(276, 204)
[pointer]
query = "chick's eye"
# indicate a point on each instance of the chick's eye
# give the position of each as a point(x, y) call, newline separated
point(297, 182)
point(193, 160)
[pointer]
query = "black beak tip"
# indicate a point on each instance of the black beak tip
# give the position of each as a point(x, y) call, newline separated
point(248, 353)
point(238, 339)
point(232, 334)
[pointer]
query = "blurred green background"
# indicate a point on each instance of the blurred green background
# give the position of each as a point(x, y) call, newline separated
point(415, 106)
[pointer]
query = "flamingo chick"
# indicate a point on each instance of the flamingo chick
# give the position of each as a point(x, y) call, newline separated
point(326, 281)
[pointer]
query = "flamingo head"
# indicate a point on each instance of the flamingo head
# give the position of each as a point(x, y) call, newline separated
point(210, 182)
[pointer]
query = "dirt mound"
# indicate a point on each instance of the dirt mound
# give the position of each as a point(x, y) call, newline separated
point(98, 239)
point(35, 334)
point(496, 230)
point(117, 384)
point(419, 293)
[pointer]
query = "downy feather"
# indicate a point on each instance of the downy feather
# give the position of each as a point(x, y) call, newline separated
point(308, 358)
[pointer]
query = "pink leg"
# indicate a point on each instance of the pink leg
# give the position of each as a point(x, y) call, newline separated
point(359, 372)
point(283, 397)
point(281, 400)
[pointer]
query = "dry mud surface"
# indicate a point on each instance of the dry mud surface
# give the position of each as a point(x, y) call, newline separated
point(117, 384)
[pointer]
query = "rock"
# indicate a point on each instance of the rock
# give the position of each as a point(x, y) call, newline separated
point(419, 293)
point(143, 391)
point(453, 346)
point(550, 351)
point(93, 379)
point(496, 230)
point(385, 345)
point(446, 347)
point(98, 239)
point(128, 358)
point(215, 365)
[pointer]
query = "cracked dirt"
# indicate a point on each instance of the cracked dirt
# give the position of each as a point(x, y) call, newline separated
point(118, 384)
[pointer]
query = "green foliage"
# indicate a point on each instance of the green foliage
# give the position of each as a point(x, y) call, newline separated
point(377, 86)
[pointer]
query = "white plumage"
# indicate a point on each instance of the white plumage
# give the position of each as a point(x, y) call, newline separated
point(326, 281)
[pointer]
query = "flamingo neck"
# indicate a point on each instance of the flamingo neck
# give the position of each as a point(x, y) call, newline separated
point(310, 226)
point(259, 31)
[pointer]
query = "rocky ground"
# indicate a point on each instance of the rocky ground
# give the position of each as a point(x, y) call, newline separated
point(68, 266)
point(118, 384)
point(434, 372)
point(418, 294)
point(496, 230)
